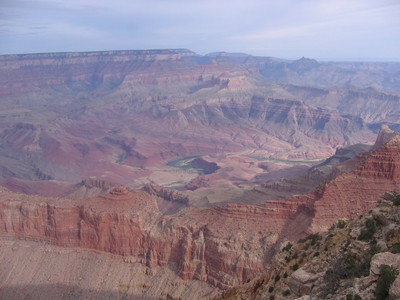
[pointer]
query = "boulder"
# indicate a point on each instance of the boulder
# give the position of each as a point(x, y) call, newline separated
point(394, 292)
point(384, 258)
point(301, 282)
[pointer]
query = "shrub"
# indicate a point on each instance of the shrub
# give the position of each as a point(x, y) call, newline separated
point(349, 297)
point(271, 289)
point(385, 280)
point(353, 297)
point(277, 278)
point(314, 238)
point(287, 247)
point(396, 248)
point(368, 232)
point(294, 267)
point(285, 275)
point(396, 200)
point(286, 293)
point(356, 268)
point(301, 241)
point(316, 254)
point(341, 224)
point(332, 279)
point(272, 297)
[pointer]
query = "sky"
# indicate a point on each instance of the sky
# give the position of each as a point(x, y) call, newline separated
point(322, 29)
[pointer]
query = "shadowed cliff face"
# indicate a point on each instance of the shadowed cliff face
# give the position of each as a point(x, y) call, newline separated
point(222, 245)
point(119, 115)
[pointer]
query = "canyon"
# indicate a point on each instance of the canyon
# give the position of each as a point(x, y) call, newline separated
point(221, 245)
point(185, 172)
point(122, 115)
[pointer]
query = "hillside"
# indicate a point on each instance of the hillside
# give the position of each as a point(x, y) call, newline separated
point(355, 259)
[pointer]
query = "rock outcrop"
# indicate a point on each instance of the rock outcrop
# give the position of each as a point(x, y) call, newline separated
point(345, 262)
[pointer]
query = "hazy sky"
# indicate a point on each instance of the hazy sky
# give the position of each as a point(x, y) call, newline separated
point(339, 29)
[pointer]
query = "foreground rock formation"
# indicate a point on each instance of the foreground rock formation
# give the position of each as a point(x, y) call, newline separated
point(355, 259)
point(222, 245)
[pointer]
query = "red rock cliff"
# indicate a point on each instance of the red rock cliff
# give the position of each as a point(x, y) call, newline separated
point(223, 245)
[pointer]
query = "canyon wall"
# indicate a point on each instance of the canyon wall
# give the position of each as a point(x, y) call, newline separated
point(223, 245)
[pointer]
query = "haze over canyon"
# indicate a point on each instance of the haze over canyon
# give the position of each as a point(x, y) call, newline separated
point(176, 175)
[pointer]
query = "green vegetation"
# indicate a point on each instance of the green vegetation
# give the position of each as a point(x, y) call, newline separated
point(277, 278)
point(287, 247)
point(350, 266)
point(271, 289)
point(396, 248)
point(368, 232)
point(302, 240)
point(353, 297)
point(286, 293)
point(294, 267)
point(314, 238)
point(396, 200)
point(272, 297)
point(341, 224)
point(388, 275)
point(349, 297)
point(332, 279)
point(355, 268)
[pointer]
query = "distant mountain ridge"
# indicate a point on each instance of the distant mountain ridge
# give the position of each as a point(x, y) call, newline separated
point(119, 104)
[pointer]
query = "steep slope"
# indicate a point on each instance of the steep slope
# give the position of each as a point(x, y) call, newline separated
point(343, 263)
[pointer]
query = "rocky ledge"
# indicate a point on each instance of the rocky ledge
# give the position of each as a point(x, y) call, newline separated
point(355, 259)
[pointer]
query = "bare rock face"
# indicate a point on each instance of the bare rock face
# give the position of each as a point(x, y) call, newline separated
point(119, 193)
point(385, 135)
point(167, 194)
point(353, 193)
point(301, 282)
point(394, 292)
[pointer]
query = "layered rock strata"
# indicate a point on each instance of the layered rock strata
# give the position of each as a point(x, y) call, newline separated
point(223, 245)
